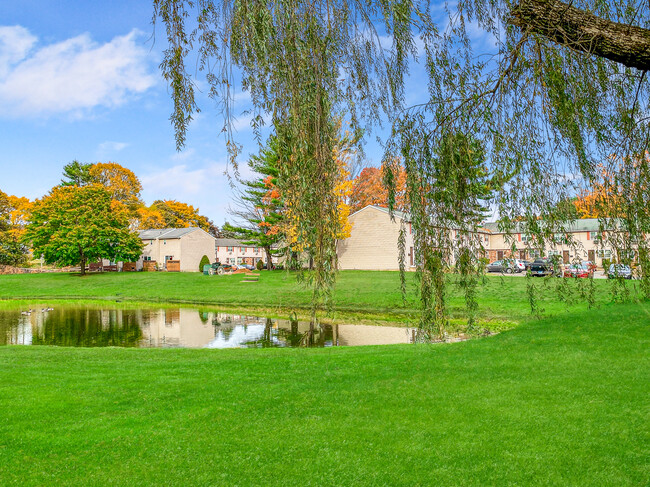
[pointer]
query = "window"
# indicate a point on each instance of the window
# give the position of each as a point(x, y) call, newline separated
point(552, 253)
point(164, 242)
point(242, 249)
point(604, 254)
point(594, 236)
point(146, 257)
point(229, 249)
point(525, 237)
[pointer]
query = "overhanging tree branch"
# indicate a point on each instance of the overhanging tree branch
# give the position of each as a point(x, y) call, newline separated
point(582, 31)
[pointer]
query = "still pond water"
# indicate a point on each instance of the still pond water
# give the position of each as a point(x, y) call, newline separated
point(179, 327)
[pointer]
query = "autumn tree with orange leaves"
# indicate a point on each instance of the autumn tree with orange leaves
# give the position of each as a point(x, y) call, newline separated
point(369, 189)
point(125, 187)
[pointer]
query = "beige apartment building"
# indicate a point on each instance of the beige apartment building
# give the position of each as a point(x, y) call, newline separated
point(236, 252)
point(372, 244)
point(581, 240)
point(184, 247)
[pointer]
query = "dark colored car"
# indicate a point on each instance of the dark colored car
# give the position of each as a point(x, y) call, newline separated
point(506, 266)
point(543, 268)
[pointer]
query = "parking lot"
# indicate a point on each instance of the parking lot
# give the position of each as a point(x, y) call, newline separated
point(597, 274)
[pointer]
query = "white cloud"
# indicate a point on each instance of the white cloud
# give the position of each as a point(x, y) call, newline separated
point(72, 76)
point(184, 155)
point(181, 182)
point(15, 43)
point(110, 146)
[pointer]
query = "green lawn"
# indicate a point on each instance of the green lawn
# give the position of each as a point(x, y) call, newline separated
point(559, 401)
point(358, 294)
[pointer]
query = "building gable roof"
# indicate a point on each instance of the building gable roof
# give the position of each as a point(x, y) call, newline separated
point(582, 225)
point(166, 233)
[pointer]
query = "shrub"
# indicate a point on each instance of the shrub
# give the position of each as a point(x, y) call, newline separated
point(259, 265)
point(204, 261)
point(606, 263)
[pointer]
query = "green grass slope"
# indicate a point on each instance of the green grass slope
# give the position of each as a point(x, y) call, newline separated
point(561, 401)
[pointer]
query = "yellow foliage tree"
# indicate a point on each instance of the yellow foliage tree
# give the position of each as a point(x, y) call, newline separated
point(121, 183)
point(19, 211)
point(179, 215)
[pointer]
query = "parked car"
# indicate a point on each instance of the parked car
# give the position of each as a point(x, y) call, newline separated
point(527, 264)
point(520, 265)
point(543, 267)
point(619, 270)
point(577, 270)
point(506, 265)
point(591, 265)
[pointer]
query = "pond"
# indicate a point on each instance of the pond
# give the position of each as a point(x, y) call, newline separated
point(179, 327)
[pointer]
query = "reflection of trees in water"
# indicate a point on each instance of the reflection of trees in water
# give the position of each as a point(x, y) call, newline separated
point(291, 336)
point(13, 328)
point(89, 328)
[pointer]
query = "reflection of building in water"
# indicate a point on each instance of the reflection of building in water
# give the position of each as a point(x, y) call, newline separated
point(352, 335)
point(181, 327)
point(177, 327)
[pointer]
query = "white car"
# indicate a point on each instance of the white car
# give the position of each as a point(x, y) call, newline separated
point(519, 265)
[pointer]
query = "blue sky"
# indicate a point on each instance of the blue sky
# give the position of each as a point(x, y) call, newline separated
point(80, 80)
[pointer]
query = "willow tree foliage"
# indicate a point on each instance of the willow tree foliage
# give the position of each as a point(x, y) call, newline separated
point(549, 93)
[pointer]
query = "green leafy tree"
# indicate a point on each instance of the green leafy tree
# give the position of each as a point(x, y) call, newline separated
point(75, 225)
point(260, 206)
point(76, 174)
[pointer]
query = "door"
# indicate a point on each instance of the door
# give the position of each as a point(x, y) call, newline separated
point(591, 255)
point(500, 255)
point(565, 256)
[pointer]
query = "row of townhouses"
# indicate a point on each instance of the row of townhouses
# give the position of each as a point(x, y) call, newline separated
point(372, 245)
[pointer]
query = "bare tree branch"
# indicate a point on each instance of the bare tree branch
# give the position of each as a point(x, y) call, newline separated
point(582, 31)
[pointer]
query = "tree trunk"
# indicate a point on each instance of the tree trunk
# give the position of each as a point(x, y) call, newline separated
point(269, 264)
point(83, 264)
point(582, 31)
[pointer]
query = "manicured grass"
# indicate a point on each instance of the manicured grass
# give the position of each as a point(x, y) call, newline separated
point(558, 401)
point(358, 294)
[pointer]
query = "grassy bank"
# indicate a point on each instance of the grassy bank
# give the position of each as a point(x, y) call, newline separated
point(561, 401)
point(358, 294)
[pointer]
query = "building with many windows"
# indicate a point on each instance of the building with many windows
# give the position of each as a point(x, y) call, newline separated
point(233, 251)
point(373, 242)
